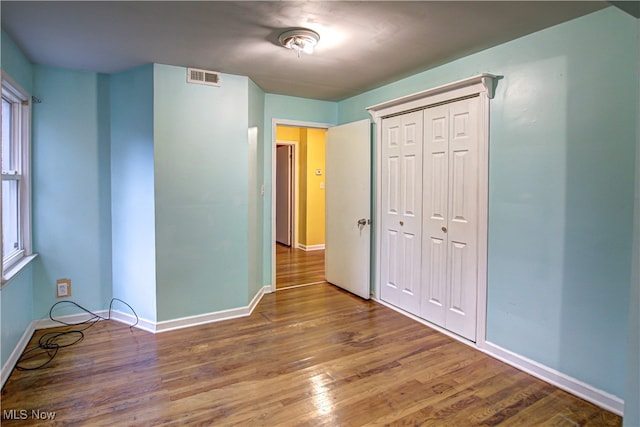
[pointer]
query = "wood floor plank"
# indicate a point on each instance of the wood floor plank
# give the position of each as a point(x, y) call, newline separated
point(313, 355)
point(297, 267)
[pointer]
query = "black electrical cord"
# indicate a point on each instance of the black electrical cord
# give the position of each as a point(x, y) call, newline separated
point(51, 342)
point(130, 308)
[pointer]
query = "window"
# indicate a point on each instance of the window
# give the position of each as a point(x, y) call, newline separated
point(16, 236)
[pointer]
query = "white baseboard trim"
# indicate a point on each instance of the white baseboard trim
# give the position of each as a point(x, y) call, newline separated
point(565, 382)
point(128, 319)
point(216, 316)
point(12, 361)
point(310, 247)
point(189, 321)
point(47, 323)
point(572, 385)
point(71, 318)
point(257, 298)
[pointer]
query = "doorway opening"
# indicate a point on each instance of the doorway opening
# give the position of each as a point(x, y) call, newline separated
point(298, 223)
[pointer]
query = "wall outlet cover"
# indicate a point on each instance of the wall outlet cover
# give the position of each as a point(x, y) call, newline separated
point(63, 288)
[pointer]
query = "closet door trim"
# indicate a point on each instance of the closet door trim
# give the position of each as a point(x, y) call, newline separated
point(482, 85)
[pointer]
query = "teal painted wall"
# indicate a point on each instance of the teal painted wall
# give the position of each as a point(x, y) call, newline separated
point(16, 305)
point(132, 191)
point(563, 126)
point(558, 274)
point(285, 108)
point(16, 297)
point(201, 192)
point(255, 199)
point(632, 401)
point(16, 64)
point(71, 194)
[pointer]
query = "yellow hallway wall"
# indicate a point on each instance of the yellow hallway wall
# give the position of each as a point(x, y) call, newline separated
point(315, 187)
point(302, 189)
point(286, 133)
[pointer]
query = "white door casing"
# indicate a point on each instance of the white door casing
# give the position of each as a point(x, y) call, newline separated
point(348, 207)
point(401, 210)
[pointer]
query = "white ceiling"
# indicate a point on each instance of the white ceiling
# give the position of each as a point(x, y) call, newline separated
point(363, 44)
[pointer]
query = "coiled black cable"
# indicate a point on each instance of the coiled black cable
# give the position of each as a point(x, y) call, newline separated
point(51, 342)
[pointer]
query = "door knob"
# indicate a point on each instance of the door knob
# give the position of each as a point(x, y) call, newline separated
point(401, 222)
point(362, 222)
point(444, 229)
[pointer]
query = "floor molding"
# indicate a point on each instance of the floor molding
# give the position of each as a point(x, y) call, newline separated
point(14, 357)
point(71, 319)
point(216, 316)
point(130, 320)
point(127, 319)
point(47, 323)
point(310, 247)
point(565, 382)
point(189, 321)
point(572, 385)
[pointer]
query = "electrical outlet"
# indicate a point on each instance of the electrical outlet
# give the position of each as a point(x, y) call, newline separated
point(63, 288)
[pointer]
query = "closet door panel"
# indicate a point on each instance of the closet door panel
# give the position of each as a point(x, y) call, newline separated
point(402, 210)
point(391, 211)
point(411, 224)
point(463, 218)
point(435, 214)
point(434, 280)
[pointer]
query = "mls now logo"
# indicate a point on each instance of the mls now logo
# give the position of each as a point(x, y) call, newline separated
point(23, 414)
point(15, 414)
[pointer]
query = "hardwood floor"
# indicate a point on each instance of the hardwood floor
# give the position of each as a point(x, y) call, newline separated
point(297, 267)
point(312, 355)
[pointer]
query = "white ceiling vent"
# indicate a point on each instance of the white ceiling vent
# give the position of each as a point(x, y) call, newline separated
point(203, 77)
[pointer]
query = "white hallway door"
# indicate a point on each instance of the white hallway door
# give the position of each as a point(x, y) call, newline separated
point(348, 207)
point(401, 210)
point(284, 194)
point(450, 216)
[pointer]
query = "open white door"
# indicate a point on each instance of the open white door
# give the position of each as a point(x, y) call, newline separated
point(348, 207)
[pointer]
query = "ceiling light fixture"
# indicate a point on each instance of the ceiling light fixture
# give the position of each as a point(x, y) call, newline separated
point(300, 40)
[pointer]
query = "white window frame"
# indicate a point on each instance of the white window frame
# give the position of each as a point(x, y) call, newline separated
point(21, 113)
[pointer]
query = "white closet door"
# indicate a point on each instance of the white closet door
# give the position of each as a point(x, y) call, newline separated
point(401, 211)
point(463, 218)
point(450, 220)
point(435, 214)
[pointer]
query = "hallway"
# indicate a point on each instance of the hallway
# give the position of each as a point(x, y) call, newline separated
point(296, 267)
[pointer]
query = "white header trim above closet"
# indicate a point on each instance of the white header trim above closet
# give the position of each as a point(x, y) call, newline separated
point(482, 83)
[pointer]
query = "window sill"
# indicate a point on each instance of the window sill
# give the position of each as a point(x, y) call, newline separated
point(16, 268)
